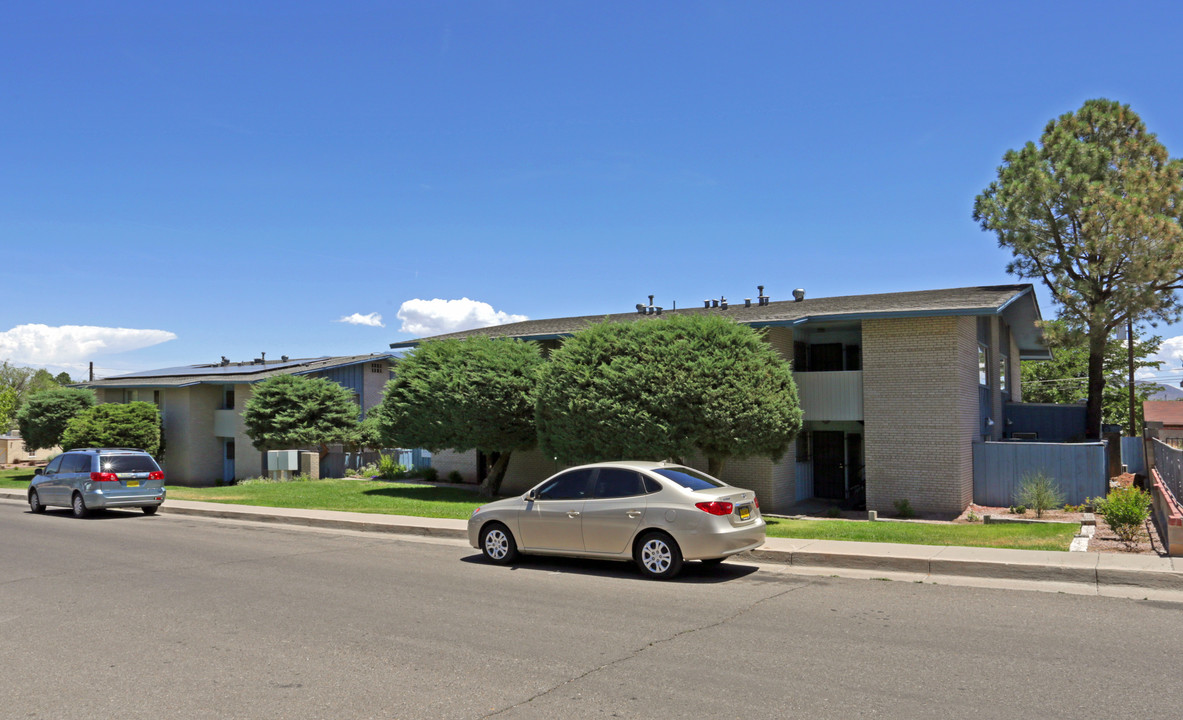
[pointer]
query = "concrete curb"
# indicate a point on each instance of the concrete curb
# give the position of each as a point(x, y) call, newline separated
point(1098, 570)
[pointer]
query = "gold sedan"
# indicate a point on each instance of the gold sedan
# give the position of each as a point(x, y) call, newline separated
point(656, 514)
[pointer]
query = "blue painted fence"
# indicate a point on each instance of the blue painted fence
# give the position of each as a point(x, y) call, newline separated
point(1050, 423)
point(1000, 467)
point(1133, 455)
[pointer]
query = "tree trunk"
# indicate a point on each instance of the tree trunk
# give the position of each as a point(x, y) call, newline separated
point(715, 466)
point(1097, 341)
point(492, 484)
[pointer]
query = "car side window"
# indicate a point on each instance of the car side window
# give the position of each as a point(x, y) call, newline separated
point(54, 465)
point(76, 463)
point(618, 483)
point(651, 485)
point(568, 486)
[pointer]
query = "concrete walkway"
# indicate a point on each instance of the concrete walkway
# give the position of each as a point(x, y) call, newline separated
point(1099, 573)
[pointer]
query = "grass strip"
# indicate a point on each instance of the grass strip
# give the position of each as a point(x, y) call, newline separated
point(348, 495)
point(1003, 535)
point(16, 478)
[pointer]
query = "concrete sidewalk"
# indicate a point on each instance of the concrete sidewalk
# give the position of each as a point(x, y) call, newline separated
point(1123, 573)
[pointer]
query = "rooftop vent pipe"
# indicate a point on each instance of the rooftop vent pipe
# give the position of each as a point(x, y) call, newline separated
point(798, 295)
point(762, 299)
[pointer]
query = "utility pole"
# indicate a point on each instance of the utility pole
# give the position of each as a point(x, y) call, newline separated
point(1130, 347)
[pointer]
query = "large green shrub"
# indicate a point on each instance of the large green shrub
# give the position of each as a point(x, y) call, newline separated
point(294, 411)
point(665, 387)
point(473, 394)
point(130, 425)
point(1040, 492)
point(1126, 511)
point(43, 417)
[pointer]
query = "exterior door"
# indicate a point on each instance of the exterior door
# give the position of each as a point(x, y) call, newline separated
point(829, 464)
point(227, 461)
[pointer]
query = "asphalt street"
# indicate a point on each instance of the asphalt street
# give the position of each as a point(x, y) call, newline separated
point(129, 616)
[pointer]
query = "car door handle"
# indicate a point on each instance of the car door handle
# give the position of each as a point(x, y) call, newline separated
point(572, 513)
point(634, 513)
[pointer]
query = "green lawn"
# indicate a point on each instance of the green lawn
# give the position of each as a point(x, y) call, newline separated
point(372, 496)
point(18, 478)
point(1003, 535)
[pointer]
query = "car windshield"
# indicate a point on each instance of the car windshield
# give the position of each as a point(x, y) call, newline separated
point(128, 464)
point(688, 478)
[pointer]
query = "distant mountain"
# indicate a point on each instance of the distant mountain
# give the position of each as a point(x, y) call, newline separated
point(1165, 391)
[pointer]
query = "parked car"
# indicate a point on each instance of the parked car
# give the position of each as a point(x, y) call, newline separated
point(656, 514)
point(97, 478)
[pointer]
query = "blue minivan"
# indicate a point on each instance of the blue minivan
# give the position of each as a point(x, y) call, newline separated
point(98, 478)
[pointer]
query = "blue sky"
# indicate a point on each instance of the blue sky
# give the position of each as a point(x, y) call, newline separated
point(243, 176)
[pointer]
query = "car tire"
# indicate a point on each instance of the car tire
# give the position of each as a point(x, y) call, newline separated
point(498, 545)
point(78, 505)
point(35, 502)
point(150, 509)
point(658, 556)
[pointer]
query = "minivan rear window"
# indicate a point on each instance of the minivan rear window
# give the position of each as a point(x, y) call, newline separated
point(128, 464)
point(689, 479)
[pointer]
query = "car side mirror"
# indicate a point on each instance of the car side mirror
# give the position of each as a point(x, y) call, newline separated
point(39, 471)
point(531, 497)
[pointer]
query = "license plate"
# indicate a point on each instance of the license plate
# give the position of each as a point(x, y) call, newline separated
point(745, 512)
point(133, 483)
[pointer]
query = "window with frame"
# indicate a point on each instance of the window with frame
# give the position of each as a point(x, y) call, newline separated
point(803, 446)
point(1004, 373)
point(376, 367)
point(983, 366)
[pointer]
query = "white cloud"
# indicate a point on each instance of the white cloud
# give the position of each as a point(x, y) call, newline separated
point(73, 345)
point(372, 319)
point(1171, 355)
point(435, 317)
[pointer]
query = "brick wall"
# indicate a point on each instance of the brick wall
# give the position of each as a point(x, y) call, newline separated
point(920, 383)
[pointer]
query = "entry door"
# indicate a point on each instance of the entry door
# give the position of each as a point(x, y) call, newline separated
point(829, 464)
point(227, 461)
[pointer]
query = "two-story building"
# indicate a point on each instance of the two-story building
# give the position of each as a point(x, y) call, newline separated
point(896, 388)
point(201, 407)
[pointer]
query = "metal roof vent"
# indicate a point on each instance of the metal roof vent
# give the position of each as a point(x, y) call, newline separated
point(798, 295)
point(761, 299)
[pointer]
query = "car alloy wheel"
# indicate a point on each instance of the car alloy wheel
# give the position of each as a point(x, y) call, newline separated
point(35, 503)
point(79, 506)
point(659, 556)
point(498, 544)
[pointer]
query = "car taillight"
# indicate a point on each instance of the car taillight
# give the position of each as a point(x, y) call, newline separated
point(158, 475)
point(104, 477)
point(715, 507)
point(757, 501)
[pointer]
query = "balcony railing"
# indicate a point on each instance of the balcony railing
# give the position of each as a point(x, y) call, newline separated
point(225, 421)
point(831, 395)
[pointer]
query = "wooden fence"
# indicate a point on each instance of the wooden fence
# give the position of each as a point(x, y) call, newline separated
point(1000, 467)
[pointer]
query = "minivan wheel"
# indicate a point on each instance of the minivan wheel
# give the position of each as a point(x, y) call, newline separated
point(498, 544)
point(79, 507)
point(658, 556)
point(150, 509)
point(35, 502)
